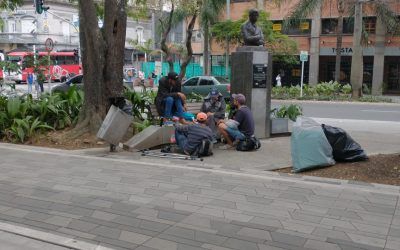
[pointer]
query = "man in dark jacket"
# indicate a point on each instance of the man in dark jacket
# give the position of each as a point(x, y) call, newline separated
point(190, 137)
point(169, 100)
point(214, 106)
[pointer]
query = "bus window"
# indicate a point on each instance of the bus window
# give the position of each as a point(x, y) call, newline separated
point(69, 60)
point(14, 58)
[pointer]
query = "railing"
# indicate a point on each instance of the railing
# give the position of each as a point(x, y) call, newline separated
point(28, 38)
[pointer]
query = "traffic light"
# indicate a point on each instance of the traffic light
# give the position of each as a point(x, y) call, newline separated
point(39, 6)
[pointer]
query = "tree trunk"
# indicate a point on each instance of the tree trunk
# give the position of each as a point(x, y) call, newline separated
point(102, 60)
point(379, 57)
point(206, 51)
point(260, 4)
point(339, 39)
point(357, 67)
point(188, 43)
point(164, 46)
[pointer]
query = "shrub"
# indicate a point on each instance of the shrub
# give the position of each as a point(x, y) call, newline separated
point(292, 112)
point(346, 89)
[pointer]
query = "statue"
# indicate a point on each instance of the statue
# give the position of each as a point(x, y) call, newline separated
point(252, 35)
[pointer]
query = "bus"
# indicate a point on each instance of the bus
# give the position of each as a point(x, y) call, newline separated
point(63, 64)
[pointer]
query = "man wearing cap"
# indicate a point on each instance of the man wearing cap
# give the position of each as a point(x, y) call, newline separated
point(190, 137)
point(214, 106)
point(169, 100)
point(245, 123)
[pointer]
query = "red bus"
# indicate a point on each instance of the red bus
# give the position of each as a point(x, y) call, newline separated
point(63, 64)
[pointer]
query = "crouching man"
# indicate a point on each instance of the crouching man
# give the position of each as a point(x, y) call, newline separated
point(242, 125)
point(191, 138)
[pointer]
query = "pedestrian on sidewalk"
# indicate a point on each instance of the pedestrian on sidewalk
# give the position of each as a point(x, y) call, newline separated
point(29, 81)
point(278, 80)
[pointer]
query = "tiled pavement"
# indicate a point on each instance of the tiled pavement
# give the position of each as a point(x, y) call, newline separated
point(126, 205)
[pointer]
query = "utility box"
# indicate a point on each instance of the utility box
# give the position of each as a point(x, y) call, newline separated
point(114, 126)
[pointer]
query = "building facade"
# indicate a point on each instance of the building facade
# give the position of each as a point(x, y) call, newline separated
point(318, 34)
point(23, 28)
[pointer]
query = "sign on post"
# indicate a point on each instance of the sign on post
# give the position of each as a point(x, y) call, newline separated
point(49, 44)
point(303, 58)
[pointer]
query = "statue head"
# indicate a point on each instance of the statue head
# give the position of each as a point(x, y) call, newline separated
point(253, 15)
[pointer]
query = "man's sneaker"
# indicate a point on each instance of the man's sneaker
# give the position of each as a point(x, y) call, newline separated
point(226, 147)
point(167, 122)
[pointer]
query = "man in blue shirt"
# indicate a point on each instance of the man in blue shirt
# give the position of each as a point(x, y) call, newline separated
point(241, 127)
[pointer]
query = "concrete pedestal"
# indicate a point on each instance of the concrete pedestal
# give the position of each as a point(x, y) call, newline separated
point(252, 76)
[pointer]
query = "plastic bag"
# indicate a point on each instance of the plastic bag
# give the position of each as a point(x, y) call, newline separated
point(344, 147)
point(309, 145)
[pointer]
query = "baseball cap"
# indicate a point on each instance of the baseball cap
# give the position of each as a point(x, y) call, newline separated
point(201, 116)
point(240, 98)
point(173, 75)
point(214, 92)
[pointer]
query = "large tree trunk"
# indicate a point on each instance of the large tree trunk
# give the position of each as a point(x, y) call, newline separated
point(339, 41)
point(206, 50)
point(357, 67)
point(188, 43)
point(165, 33)
point(102, 60)
point(379, 57)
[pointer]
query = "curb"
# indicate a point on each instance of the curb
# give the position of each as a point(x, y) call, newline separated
point(337, 102)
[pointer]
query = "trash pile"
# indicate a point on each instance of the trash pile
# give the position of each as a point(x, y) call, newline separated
point(314, 145)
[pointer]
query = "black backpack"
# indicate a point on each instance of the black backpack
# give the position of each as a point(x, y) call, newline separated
point(248, 144)
point(204, 149)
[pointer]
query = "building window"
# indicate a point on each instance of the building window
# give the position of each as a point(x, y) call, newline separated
point(304, 27)
point(329, 26)
point(370, 24)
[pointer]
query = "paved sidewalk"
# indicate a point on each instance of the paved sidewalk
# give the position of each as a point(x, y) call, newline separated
point(9, 241)
point(123, 204)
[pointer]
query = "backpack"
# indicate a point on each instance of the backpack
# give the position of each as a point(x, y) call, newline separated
point(248, 144)
point(204, 149)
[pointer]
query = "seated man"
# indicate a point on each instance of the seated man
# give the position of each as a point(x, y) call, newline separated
point(214, 106)
point(241, 127)
point(169, 100)
point(190, 137)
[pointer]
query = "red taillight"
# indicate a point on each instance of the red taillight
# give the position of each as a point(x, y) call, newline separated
point(228, 88)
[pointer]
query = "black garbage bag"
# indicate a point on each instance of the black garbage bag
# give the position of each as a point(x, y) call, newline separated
point(344, 147)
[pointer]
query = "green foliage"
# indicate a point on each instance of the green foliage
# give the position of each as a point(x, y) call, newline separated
point(325, 91)
point(291, 111)
point(193, 97)
point(141, 102)
point(281, 45)
point(22, 117)
point(140, 126)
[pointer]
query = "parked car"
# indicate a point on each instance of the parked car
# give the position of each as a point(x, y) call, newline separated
point(202, 85)
point(78, 82)
point(64, 86)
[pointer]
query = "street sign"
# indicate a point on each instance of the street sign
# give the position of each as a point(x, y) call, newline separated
point(304, 56)
point(49, 44)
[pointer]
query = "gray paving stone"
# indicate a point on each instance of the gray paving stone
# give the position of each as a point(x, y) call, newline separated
point(171, 216)
point(225, 229)
point(161, 244)
point(288, 239)
point(32, 202)
point(259, 200)
point(179, 240)
point(133, 237)
point(37, 216)
point(209, 238)
point(255, 233)
point(98, 184)
point(81, 234)
point(181, 232)
point(58, 221)
point(240, 244)
point(104, 215)
point(81, 225)
point(144, 248)
point(293, 197)
point(344, 213)
point(223, 204)
point(345, 243)
point(138, 230)
point(19, 213)
point(118, 243)
point(108, 232)
point(125, 220)
point(153, 226)
point(320, 245)
point(101, 203)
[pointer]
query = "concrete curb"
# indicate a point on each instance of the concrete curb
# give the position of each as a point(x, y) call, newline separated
point(53, 239)
point(337, 102)
point(265, 175)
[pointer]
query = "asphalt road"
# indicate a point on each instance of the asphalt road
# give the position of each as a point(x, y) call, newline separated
point(355, 111)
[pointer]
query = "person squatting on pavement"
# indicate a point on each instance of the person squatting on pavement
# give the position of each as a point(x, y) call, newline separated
point(214, 106)
point(170, 101)
point(190, 137)
point(240, 127)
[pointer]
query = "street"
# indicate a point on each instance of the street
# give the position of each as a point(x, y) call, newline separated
point(125, 204)
point(348, 110)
